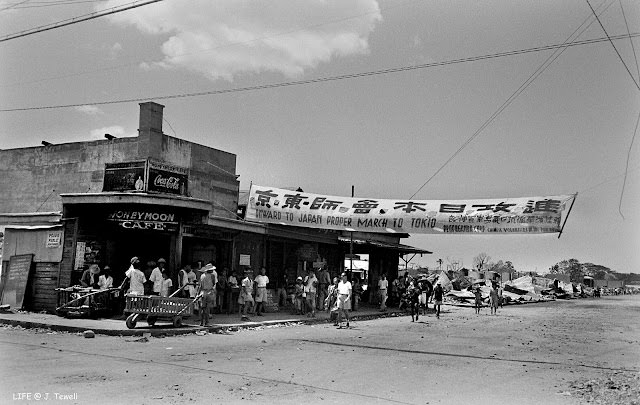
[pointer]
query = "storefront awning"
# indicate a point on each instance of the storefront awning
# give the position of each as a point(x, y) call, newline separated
point(398, 247)
point(136, 198)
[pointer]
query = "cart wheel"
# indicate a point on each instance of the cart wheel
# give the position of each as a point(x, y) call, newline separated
point(177, 321)
point(151, 320)
point(131, 321)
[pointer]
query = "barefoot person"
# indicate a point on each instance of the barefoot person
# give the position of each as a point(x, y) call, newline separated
point(493, 299)
point(478, 299)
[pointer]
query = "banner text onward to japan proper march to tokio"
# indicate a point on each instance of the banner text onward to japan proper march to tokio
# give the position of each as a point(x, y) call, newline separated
point(487, 216)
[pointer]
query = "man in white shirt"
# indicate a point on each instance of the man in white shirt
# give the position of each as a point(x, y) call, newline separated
point(383, 285)
point(261, 291)
point(136, 278)
point(156, 276)
point(344, 299)
point(310, 289)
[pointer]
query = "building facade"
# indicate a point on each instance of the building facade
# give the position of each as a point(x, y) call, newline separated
point(154, 196)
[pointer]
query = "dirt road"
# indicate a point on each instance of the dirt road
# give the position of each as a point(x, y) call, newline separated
point(563, 352)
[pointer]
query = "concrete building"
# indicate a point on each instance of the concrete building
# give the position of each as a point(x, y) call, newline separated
point(155, 196)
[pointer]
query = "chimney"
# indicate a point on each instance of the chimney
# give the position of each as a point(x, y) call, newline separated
point(150, 118)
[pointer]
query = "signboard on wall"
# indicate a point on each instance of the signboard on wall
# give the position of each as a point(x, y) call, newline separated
point(165, 178)
point(17, 279)
point(125, 176)
point(152, 220)
point(146, 176)
point(245, 260)
point(54, 239)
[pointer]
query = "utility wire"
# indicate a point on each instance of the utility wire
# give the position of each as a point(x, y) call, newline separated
point(40, 4)
point(168, 123)
point(327, 79)
point(262, 38)
point(46, 199)
point(556, 53)
point(609, 179)
point(614, 46)
point(78, 19)
point(635, 132)
point(14, 5)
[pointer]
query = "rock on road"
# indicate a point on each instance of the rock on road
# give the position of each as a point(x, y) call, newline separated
point(563, 352)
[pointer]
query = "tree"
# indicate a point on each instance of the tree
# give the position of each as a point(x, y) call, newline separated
point(570, 267)
point(481, 261)
point(454, 264)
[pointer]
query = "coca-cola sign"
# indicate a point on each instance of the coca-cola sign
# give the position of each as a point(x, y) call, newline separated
point(170, 182)
point(164, 178)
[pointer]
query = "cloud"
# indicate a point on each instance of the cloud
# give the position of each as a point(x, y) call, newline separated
point(115, 50)
point(89, 109)
point(226, 38)
point(115, 130)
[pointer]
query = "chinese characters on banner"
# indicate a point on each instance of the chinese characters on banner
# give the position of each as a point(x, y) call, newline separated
point(489, 216)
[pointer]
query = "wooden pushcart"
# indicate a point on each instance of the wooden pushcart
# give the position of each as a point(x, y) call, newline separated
point(171, 308)
point(85, 301)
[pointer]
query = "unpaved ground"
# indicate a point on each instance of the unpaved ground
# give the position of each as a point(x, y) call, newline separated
point(564, 352)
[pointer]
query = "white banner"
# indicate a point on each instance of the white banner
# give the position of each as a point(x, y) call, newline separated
point(489, 216)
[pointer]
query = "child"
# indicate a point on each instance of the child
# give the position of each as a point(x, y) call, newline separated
point(246, 295)
point(478, 299)
point(300, 296)
point(167, 284)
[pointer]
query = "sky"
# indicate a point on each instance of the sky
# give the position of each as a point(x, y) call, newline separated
point(571, 130)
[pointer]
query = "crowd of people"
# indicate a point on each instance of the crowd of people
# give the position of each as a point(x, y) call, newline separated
point(224, 291)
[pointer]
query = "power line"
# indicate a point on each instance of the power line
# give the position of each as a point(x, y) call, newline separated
point(40, 4)
point(328, 79)
point(557, 52)
point(76, 20)
point(635, 132)
point(609, 179)
point(14, 5)
point(262, 38)
point(614, 46)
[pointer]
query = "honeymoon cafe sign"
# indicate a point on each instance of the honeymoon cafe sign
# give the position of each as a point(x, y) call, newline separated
point(144, 220)
point(488, 216)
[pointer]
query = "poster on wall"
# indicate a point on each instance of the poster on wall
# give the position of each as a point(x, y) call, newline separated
point(54, 239)
point(245, 260)
point(521, 215)
point(80, 249)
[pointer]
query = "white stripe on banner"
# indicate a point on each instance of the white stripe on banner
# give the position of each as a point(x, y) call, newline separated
point(490, 216)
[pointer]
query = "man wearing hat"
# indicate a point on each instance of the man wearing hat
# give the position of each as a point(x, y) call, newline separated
point(207, 288)
point(90, 276)
point(156, 276)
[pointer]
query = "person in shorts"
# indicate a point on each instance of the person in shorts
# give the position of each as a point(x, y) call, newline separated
point(438, 294)
point(344, 299)
point(207, 288)
point(478, 299)
point(261, 291)
point(246, 295)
